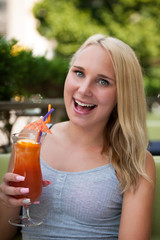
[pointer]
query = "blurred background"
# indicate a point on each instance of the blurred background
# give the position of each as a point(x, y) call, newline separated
point(38, 38)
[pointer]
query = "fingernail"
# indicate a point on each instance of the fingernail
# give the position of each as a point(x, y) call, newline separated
point(20, 178)
point(27, 201)
point(24, 190)
point(49, 182)
point(36, 202)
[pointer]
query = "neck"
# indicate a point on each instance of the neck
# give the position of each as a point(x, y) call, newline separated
point(85, 137)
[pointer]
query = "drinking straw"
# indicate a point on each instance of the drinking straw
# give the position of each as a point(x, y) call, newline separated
point(48, 115)
point(38, 136)
point(50, 110)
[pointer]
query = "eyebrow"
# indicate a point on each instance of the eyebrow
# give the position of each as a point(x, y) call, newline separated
point(78, 67)
point(99, 75)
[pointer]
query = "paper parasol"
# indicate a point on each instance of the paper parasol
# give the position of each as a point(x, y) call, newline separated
point(38, 125)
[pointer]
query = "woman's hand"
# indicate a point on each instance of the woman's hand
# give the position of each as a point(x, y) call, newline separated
point(8, 192)
point(45, 183)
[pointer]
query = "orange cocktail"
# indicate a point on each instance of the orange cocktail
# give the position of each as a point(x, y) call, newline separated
point(27, 164)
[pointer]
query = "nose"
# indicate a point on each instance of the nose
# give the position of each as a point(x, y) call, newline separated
point(85, 88)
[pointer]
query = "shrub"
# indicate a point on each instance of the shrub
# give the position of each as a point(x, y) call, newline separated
point(24, 74)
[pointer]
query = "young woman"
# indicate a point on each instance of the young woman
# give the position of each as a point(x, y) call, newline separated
point(103, 178)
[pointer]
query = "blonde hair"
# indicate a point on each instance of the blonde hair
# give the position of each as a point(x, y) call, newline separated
point(126, 133)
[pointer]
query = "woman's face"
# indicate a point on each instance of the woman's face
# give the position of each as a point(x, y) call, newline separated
point(90, 88)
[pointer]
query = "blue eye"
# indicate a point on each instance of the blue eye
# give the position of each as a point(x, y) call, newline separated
point(103, 82)
point(79, 74)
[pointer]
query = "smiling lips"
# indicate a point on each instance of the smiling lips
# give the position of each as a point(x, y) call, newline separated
point(83, 107)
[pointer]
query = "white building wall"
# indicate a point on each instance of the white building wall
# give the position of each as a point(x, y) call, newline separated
point(3, 17)
point(21, 25)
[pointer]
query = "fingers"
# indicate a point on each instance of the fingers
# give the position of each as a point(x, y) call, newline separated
point(12, 177)
point(36, 202)
point(8, 193)
point(45, 183)
point(27, 201)
point(11, 201)
point(14, 191)
point(8, 189)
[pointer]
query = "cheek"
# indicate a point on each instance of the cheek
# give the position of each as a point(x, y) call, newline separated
point(66, 85)
point(70, 85)
point(109, 97)
point(68, 88)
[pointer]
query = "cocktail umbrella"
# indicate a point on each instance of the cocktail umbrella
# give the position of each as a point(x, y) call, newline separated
point(38, 125)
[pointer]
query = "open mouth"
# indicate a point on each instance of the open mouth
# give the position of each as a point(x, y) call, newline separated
point(83, 107)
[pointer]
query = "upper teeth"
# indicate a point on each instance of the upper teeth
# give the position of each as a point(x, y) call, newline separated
point(83, 104)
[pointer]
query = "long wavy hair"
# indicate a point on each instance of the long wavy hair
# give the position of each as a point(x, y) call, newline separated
point(125, 134)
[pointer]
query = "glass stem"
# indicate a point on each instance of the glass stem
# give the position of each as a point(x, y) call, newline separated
point(26, 212)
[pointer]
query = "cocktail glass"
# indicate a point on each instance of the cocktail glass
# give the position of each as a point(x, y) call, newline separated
point(27, 164)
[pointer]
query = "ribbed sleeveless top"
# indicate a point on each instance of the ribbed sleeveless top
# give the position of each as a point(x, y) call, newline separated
point(78, 205)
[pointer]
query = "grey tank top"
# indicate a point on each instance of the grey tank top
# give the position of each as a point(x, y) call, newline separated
point(78, 205)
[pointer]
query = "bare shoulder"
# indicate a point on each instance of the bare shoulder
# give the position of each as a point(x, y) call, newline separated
point(59, 127)
point(150, 166)
point(137, 206)
point(53, 141)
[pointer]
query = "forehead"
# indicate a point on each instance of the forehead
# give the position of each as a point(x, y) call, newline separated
point(95, 58)
point(93, 49)
point(93, 52)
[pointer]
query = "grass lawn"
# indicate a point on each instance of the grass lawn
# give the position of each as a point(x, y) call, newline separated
point(153, 125)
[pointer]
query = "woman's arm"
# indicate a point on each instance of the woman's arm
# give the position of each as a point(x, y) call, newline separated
point(7, 230)
point(136, 219)
point(9, 206)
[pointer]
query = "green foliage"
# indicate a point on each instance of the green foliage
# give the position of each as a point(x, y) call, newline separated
point(152, 82)
point(136, 22)
point(7, 70)
point(24, 74)
point(63, 21)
